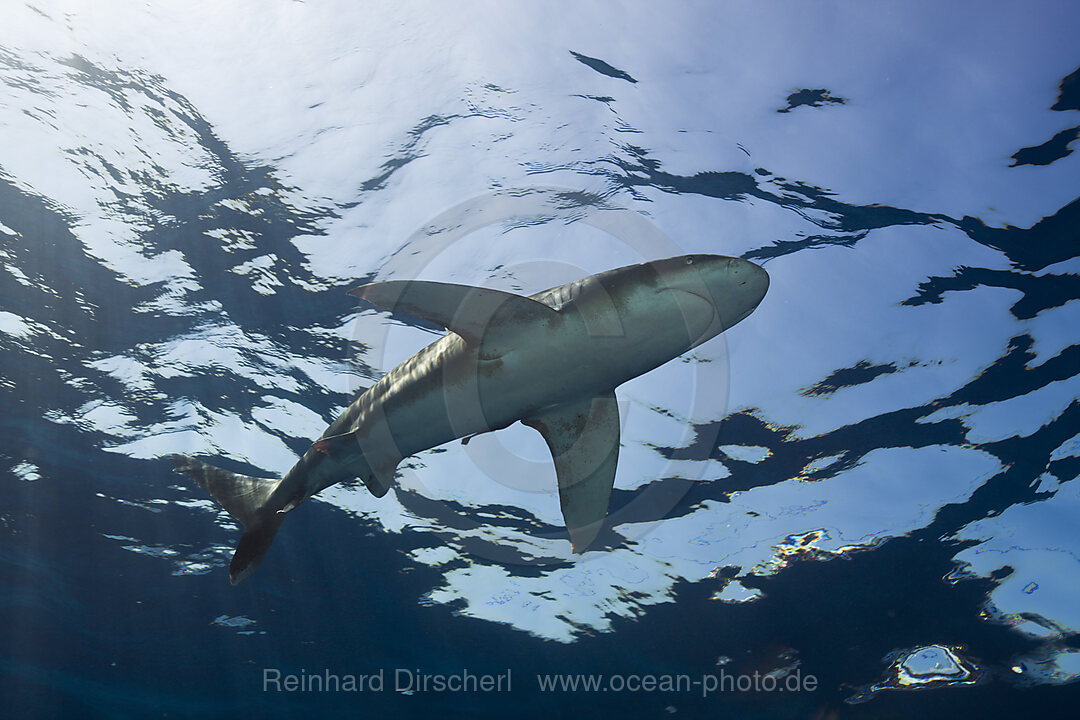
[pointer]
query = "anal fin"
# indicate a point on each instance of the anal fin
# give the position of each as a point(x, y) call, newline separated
point(584, 441)
point(346, 447)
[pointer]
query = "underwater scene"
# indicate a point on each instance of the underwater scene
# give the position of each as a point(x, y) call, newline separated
point(816, 458)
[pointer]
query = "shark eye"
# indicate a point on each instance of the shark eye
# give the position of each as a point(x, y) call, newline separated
point(689, 261)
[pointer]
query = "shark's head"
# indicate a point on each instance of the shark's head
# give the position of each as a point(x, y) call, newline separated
point(713, 292)
point(665, 307)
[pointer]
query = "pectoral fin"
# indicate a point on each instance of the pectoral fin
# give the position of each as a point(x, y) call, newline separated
point(584, 441)
point(463, 309)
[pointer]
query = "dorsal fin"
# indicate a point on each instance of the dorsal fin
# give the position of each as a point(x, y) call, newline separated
point(463, 309)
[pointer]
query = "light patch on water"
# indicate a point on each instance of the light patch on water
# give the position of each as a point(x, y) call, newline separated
point(148, 506)
point(930, 666)
point(704, 471)
point(1053, 330)
point(239, 621)
point(258, 270)
point(1069, 266)
point(234, 238)
point(433, 556)
point(92, 156)
point(27, 330)
point(1046, 483)
point(1053, 665)
point(193, 430)
point(387, 510)
point(1019, 416)
point(818, 464)
point(156, 551)
point(562, 603)
point(212, 348)
point(892, 492)
point(288, 417)
point(222, 347)
point(1069, 448)
point(174, 299)
point(12, 324)
point(27, 471)
point(133, 374)
point(222, 434)
point(185, 561)
point(239, 206)
point(736, 592)
point(113, 243)
point(19, 275)
point(1037, 540)
point(745, 453)
point(193, 568)
point(98, 416)
point(203, 503)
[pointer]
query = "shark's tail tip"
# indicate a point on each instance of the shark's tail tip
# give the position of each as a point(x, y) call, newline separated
point(252, 547)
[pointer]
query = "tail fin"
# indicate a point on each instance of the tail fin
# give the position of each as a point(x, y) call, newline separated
point(245, 498)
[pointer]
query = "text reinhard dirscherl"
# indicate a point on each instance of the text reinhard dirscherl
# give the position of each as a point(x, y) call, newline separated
point(410, 681)
point(402, 680)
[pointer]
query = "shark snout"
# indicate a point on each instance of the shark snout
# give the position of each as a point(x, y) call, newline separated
point(754, 280)
point(739, 290)
point(733, 284)
point(714, 292)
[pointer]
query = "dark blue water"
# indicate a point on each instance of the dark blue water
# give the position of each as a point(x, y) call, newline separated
point(113, 583)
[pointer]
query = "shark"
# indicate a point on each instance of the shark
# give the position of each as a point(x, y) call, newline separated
point(551, 361)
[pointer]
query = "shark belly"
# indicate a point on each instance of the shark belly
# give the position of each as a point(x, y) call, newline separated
point(448, 391)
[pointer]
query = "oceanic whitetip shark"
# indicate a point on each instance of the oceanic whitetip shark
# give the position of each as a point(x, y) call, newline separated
point(551, 361)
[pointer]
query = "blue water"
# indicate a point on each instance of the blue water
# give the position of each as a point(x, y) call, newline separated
point(868, 482)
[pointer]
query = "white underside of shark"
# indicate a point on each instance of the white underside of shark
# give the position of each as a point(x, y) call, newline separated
point(551, 361)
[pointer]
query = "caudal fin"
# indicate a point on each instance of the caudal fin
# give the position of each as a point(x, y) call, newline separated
point(245, 499)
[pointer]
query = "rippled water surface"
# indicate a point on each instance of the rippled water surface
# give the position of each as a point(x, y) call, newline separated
point(868, 482)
